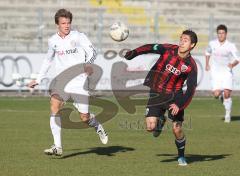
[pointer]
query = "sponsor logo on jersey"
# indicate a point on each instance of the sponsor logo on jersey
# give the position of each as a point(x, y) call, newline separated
point(155, 47)
point(69, 51)
point(184, 68)
point(60, 53)
point(172, 69)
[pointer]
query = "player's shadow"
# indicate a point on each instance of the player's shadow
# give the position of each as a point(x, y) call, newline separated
point(107, 151)
point(235, 118)
point(195, 158)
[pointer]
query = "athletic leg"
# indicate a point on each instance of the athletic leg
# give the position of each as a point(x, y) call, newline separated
point(55, 125)
point(180, 139)
point(227, 102)
point(82, 105)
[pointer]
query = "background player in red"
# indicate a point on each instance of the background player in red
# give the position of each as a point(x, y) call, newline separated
point(166, 79)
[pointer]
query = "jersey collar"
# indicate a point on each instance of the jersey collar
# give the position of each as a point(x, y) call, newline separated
point(65, 36)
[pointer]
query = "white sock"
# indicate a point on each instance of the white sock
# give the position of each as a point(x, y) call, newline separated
point(55, 124)
point(228, 106)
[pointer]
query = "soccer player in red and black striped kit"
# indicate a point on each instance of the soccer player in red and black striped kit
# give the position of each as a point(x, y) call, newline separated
point(166, 79)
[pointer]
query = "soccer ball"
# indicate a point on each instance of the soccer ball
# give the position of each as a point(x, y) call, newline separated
point(119, 31)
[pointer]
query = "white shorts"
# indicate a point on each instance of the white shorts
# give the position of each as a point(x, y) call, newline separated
point(75, 92)
point(81, 103)
point(222, 80)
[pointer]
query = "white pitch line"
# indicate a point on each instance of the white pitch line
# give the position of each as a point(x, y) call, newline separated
point(204, 98)
point(12, 110)
point(126, 114)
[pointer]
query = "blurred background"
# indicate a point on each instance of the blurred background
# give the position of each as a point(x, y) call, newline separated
point(26, 25)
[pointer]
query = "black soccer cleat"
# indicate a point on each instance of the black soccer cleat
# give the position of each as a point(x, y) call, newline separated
point(160, 124)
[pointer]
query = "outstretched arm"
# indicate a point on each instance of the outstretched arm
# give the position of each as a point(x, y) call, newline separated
point(145, 49)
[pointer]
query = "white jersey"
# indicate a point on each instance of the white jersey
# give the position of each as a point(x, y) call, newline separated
point(74, 49)
point(222, 54)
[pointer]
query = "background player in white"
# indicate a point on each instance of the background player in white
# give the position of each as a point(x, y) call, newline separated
point(224, 56)
point(68, 48)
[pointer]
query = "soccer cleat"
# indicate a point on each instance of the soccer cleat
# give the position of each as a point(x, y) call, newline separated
point(160, 124)
point(182, 161)
point(103, 136)
point(53, 151)
point(227, 116)
point(227, 119)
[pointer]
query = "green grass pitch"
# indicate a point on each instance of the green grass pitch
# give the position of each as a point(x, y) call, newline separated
point(213, 147)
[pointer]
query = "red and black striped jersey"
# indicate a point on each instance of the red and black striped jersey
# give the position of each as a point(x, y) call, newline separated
point(170, 72)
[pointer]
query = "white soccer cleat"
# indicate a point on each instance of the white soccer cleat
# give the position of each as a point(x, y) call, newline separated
point(182, 161)
point(102, 134)
point(54, 151)
point(227, 119)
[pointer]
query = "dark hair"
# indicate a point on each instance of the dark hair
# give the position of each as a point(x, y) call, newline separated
point(192, 35)
point(222, 27)
point(63, 13)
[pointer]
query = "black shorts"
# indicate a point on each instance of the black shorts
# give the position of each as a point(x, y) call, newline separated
point(158, 104)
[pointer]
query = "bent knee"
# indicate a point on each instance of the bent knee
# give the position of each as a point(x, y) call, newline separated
point(150, 129)
point(177, 130)
point(177, 127)
point(227, 94)
point(151, 123)
point(216, 94)
point(84, 117)
point(55, 105)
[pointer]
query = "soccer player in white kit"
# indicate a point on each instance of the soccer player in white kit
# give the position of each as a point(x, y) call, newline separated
point(68, 48)
point(224, 56)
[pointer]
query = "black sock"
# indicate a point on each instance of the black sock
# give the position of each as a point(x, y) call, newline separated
point(180, 143)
